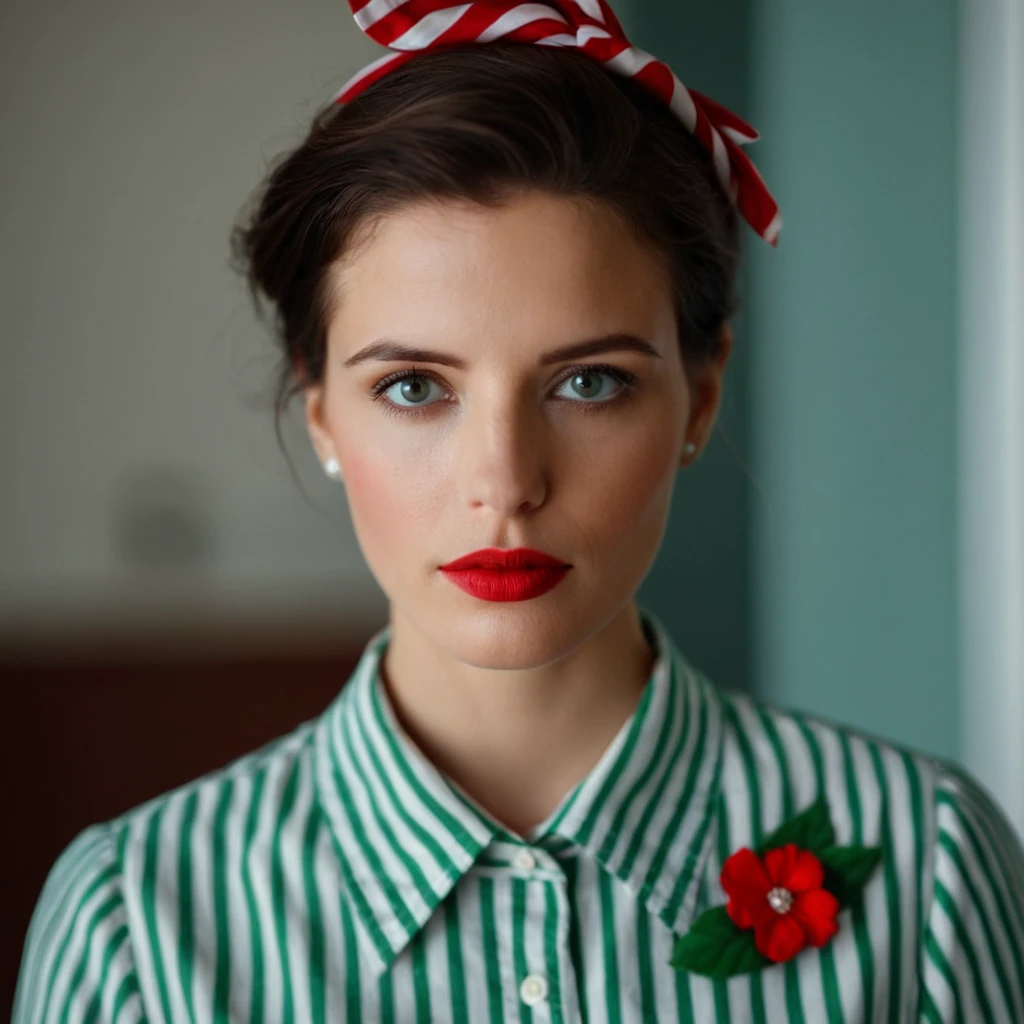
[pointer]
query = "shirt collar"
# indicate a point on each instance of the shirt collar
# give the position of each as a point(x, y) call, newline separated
point(405, 834)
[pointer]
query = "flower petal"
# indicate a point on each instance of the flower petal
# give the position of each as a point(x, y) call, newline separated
point(743, 877)
point(780, 938)
point(779, 863)
point(763, 911)
point(806, 873)
point(816, 911)
point(739, 913)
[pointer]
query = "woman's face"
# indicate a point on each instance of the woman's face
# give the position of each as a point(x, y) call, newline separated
point(507, 450)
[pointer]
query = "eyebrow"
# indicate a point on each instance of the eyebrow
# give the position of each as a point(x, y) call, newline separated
point(388, 350)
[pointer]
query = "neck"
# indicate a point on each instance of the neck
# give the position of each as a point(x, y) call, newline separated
point(517, 740)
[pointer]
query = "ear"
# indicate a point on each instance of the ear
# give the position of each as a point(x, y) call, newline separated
point(316, 423)
point(706, 389)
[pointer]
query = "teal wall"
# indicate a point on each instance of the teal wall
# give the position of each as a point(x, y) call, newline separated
point(828, 581)
point(853, 376)
point(701, 583)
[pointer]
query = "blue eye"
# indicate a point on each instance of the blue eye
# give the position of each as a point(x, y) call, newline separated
point(592, 374)
point(414, 386)
point(418, 381)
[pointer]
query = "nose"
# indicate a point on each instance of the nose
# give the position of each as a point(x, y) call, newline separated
point(504, 463)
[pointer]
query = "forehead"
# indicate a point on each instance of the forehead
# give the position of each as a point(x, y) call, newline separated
point(536, 263)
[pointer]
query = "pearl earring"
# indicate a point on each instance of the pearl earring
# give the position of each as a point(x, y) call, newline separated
point(332, 469)
point(690, 448)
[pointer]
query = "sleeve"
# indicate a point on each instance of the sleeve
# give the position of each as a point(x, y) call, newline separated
point(77, 961)
point(972, 956)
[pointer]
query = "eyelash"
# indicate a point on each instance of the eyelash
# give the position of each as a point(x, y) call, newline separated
point(624, 377)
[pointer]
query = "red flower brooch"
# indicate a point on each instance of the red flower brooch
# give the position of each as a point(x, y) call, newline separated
point(782, 897)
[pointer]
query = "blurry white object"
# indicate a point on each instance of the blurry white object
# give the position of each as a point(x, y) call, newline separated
point(991, 381)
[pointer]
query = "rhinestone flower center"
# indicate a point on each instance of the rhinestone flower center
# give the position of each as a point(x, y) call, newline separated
point(780, 900)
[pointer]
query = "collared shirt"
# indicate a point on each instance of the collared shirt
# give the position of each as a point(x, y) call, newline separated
point(335, 875)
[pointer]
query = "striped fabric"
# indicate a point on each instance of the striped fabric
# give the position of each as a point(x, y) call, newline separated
point(335, 875)
point(411, 27)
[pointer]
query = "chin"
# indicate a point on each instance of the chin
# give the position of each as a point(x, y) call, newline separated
point(516, 635)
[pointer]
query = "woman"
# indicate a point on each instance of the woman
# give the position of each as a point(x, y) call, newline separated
point(503, 279)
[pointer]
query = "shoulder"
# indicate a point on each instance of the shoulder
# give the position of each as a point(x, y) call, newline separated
point(93, 918)
point(233, 826)
point(945, 908)
point(862, 773)
point(973, 953)
point(775, 749)
point(877, 790)
point(219, 800)
point(80, 908)
point(919, 809)
point(967, 814)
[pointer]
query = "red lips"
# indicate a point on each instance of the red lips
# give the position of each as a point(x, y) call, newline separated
point(496, 558)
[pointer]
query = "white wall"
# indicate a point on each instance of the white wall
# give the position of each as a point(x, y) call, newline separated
point(141, 480)
point(991, 379)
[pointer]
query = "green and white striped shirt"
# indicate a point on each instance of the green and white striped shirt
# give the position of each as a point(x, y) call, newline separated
point(335, 875)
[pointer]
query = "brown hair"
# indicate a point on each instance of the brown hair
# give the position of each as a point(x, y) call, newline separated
point(481, 123)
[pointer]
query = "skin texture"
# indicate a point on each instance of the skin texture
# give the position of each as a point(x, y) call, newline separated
point(514, 702)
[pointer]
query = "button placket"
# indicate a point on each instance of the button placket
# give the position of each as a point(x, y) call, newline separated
point(525, 860)
point(533, 989)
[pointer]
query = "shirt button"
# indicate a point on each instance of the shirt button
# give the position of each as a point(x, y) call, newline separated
point(533, 989)
point(526, 860)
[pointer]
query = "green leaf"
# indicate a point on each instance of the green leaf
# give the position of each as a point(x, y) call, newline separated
point(810, 830)
point(715, 947)
point(847, 869)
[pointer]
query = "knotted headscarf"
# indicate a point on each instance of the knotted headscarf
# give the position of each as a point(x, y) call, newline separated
point(413, 26)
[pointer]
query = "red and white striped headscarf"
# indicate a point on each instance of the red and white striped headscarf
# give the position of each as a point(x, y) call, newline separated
point(412, 26)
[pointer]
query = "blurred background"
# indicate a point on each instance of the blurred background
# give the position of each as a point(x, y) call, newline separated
point(850, 544)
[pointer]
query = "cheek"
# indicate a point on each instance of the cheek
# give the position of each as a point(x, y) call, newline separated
point(374, 497)
point(630, 496)
point(390, 511)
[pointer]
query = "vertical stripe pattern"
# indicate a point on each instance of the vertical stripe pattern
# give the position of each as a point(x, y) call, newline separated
point(336, 875)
